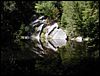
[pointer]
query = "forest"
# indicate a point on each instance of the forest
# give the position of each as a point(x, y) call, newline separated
point(76, 18)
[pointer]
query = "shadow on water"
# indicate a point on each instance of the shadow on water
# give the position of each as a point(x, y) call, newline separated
point(29, 58)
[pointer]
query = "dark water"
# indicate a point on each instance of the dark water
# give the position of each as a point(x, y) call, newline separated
point(71, 59)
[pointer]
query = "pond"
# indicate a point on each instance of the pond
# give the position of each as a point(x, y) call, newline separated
point(47, 51)
point(28, 59)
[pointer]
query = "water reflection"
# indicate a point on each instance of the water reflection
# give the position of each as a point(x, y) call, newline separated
point(26, 61)
point(45, 52)
point(44, 48)
point(46, 38)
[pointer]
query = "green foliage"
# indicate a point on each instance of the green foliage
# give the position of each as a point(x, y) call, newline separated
point(80, 17)
point(47, 8)
point(66, 19)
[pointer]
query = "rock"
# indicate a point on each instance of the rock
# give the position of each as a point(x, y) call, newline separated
point(54, 37)
point(79, 39)
point(59, 34)
point(58, 42)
